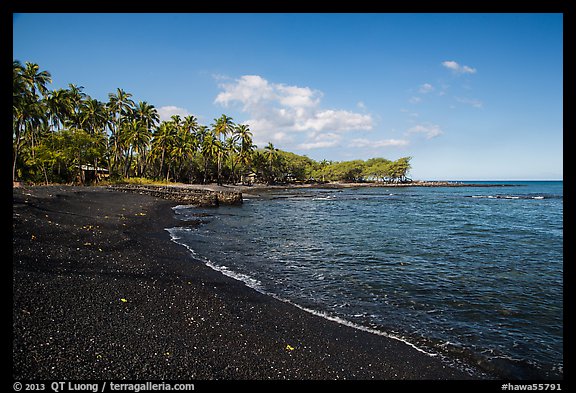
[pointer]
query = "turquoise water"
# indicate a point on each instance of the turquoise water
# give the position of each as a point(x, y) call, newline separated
point(471, 274)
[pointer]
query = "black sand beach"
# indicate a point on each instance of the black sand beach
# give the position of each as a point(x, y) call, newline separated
point(100, 292)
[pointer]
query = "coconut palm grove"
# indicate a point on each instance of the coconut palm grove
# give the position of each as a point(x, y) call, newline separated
point(66, 136)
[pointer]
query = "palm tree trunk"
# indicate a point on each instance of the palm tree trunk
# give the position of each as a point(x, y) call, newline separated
point(161, 162)
point(218, 170)
point(16, 150)
point(128, 163)
point(14, 164)
point(168, 173)
point(140, 164)
point(96, 176)
point(205, 170)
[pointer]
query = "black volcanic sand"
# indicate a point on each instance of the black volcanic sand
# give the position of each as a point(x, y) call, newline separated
point(100, 292)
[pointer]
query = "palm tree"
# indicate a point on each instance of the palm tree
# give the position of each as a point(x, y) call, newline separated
point(119, 104)
point(231, 150)
point(176, 119)
point(259, 164)
point(323, 165)
point(76, 98)
point(59, 107)
point(202, 132)
point(36, 121)
point(210, 148)
point(135, 137)
point(189, 142)
point(173, 142)
point(221, 128)
point(190, 124)
point(34, 79)
point(18, 84)
point(93, 116)
point(28, 112)
point(148, 115)
point(93, 119)
point(162, 141)
point(271, 154)
point(183, 144)
point(243, 133)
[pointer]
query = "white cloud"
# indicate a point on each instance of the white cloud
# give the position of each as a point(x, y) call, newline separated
point(457, 68)
point(322, 141)
point(471, 101)
point(250, 90)
point(428, 130)
point(362, 142)
point(165, 112)
point(414, 100)
point(334, 120)
point(279, 110)
point(426, 88)
point(296, 97)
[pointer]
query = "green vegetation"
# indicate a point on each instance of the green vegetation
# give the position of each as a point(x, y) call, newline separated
point(65, 136)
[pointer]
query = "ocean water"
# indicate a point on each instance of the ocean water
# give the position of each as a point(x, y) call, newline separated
point(473, 275)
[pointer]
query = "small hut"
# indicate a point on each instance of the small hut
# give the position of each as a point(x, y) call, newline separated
point(91, 174)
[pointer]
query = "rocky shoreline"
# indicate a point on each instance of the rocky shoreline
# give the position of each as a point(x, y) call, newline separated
point(183, 194)
point(416, 183)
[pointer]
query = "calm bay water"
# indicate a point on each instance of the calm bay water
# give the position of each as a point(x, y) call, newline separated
point(470, 274)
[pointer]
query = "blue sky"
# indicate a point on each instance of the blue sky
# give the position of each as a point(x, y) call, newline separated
point(468, 96)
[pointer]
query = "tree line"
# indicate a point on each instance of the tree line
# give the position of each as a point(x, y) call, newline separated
point(59, 135)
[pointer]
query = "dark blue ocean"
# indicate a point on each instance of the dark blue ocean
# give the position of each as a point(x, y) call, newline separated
point(473, 275)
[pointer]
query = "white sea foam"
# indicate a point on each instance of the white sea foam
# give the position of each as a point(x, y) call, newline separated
point(175, 238)
point(345, 322)
point(246, 279)
point(257, 285)
point(179, 207)
point(507, 197)
point(326, 198)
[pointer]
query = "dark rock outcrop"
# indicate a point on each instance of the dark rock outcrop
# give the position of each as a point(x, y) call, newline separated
point(192, 196)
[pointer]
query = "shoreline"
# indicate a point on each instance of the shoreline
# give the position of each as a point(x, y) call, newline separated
point(213, 195)
point(231, 194)
point(101, 292)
